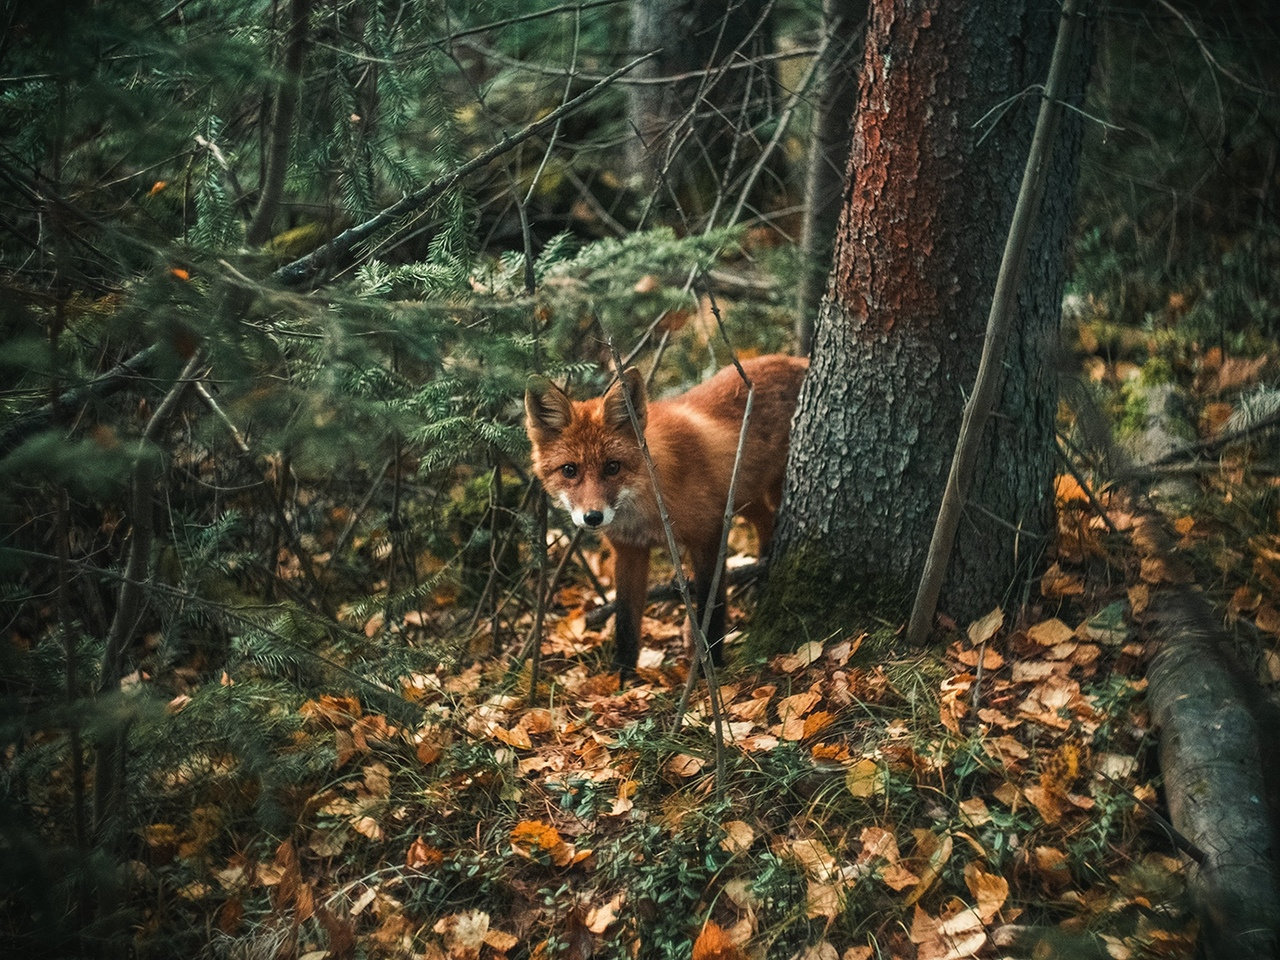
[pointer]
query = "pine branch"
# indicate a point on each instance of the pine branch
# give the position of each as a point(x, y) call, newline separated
point(338, 250)
point(110, 383)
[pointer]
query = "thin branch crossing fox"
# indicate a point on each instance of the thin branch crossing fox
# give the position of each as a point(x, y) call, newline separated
point(588, 458)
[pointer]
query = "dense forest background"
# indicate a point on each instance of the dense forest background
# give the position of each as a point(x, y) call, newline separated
point(274, 276)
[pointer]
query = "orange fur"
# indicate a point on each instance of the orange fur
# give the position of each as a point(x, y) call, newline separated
point(588, 459)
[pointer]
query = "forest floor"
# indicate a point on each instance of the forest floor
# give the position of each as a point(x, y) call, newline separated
point(995, 795)
point(996, 798)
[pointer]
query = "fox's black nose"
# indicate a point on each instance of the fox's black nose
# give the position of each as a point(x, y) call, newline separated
point(593, 518)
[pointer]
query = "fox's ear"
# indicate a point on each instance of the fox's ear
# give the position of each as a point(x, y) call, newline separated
point(547, 408)
point(615, 403)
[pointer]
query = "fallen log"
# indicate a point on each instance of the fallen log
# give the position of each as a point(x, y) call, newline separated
point(1218, 751)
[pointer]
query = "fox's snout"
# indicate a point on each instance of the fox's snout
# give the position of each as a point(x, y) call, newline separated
point(593, 518)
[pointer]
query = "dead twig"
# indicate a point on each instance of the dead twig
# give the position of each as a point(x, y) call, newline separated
point(700, 640)
point(1098, 508)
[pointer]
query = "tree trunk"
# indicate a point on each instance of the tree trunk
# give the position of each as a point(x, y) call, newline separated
point(828, 155)
point(695, 132)
point(279, 142)
point(939, 142)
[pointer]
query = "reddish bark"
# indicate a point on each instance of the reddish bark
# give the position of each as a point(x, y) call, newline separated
point(940, 139)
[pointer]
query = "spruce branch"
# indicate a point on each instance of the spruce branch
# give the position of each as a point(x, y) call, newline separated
point(338, 250)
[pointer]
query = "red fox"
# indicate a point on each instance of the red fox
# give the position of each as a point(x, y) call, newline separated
point(588, 458)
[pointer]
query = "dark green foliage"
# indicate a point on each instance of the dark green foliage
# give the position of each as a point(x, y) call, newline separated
point(335, 499)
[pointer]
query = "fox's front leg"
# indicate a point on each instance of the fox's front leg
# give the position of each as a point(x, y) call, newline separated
point(631, 577)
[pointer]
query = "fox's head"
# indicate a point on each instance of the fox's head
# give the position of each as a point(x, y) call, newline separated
point(585, 452)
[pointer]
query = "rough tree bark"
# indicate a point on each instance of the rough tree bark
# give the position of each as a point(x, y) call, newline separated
point(946, 107)
point(1217, 753)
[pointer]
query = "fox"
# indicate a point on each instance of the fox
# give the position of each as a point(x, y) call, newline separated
point(587, 455)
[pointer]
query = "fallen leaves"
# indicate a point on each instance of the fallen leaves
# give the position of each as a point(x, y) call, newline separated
point(541, 841)
point(996, 741)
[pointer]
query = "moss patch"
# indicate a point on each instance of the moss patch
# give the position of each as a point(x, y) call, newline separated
point(813, 595)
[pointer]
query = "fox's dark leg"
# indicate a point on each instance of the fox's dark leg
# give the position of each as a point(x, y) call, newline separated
point(704, 568)
point(631, 575)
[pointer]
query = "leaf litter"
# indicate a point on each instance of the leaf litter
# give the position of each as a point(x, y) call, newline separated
point(913, 808)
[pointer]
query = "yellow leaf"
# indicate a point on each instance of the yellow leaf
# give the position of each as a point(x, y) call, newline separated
point(980, 631)
point(863, 778)
point(989, 890)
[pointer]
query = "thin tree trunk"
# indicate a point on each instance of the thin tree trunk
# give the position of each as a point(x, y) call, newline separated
point(280, 141)
point(692, 133)
point(844, 22)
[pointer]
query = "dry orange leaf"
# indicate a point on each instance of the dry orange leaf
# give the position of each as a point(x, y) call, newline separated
point(533, 839)
point(738, 836)
point(515, 737)
point(1050, 632)
point(815, 723)
point(1067, 489)
point(463, 933)
point(599, 918)
point(823, 900)
point(797, 705)
point(794, 662)
point(684, 765)
point(812, 856)
point(713, 943)
point(1268, 618)
point(1055, 582)
point(1048, 803)
point(501, 941)
point(331, 711)
point(1052, 867)
point(974, 812)
point(937, 850)
point(423, 856)
point(834, 752)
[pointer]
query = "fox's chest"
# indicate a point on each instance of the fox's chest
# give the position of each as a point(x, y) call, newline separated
point(636, 522)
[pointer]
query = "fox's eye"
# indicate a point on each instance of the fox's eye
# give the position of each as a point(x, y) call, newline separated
point(611, 468)
point(569, 470)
